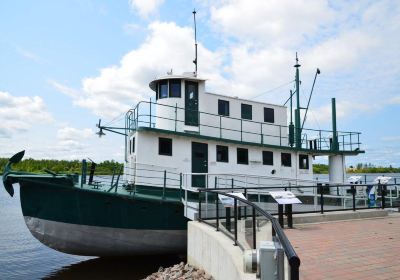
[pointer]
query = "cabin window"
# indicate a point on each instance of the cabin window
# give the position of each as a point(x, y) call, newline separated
point(269, 115)
point(286, 159)
point(303, 162)
point(246, 111)
point(242, 156)
point(165, 146)
point(222, 153)
point(133, 145)
point(174, 88)
point(268, 158)
point(163, 89)
point(223, 107)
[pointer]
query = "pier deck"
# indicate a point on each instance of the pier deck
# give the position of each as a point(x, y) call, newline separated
point(353, 249)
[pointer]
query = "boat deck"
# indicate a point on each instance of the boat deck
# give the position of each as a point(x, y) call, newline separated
point(354, 249)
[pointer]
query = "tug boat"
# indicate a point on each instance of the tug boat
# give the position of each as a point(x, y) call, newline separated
point(186, 139)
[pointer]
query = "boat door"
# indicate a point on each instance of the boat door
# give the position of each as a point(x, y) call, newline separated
point(191, 103)
point(199, 164)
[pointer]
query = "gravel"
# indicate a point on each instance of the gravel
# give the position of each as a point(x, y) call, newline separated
point(180, 271)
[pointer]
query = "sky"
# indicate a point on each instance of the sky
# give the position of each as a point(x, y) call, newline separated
point(66, 64)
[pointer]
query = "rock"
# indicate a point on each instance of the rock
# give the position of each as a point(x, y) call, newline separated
point(160, 269)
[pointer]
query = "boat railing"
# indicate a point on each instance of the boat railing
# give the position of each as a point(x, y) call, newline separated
point(152, 115)
point(249, 226)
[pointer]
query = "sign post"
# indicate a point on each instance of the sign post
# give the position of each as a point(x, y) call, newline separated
point(286, 198)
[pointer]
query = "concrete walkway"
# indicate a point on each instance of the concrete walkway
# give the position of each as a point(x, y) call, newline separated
point(354, 249)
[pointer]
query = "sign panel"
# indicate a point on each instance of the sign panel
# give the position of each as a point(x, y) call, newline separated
point(228, 201)
point(284, 197)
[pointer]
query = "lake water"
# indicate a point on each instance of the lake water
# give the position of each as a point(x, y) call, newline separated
point(24, 257)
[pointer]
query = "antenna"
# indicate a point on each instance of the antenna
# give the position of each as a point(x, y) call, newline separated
point(195, 43)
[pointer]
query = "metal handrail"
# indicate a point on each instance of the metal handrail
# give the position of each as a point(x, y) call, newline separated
point(293, 259)
point(133, 122)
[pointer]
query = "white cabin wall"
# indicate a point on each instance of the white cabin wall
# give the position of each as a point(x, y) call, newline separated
point(180, 162)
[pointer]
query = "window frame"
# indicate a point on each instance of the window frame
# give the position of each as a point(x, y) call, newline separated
point(282, 159)
point(271, 120)
point(133, 145)
point(307, 163)
point(223, 102)
point(160, 83)
point(163, 140)
point(246, 115)
point(170, 83)
point(247, 156)
point(222, 149)
point(264, 161)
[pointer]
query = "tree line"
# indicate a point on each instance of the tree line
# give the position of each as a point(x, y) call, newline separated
point(60, 166)
point(358, 168)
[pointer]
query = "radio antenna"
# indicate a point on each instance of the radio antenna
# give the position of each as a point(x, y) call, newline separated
point(195, 43)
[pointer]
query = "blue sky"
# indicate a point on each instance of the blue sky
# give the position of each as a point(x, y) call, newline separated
point(65, 64)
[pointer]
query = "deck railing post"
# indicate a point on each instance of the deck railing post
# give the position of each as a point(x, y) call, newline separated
point(180, 185)
point(164, 184)
point(232, 183)
point(261, 132)
point(241, 130)
point(254, 228)
point(322, 198)
point(383, 194)
point(199, 205)
point(150, 113)
point(235, 219)
point(176, 114)
point(217, 211)
point(280, 135)
point(215, 181)
point(353, 192)
point(220, 126)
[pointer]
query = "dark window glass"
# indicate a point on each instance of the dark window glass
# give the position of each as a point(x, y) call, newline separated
point(174, 88)
point(268, 158)
point(165, 146)
point(242, 156)
point(286, 159)
point(223, 107)
point(133, 145)
point(222, 153)
point(246, 111)
point(269, 115)
point(303, 162)
point(163, 89)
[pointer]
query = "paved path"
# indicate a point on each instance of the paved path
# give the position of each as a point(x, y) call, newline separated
point(356, 249)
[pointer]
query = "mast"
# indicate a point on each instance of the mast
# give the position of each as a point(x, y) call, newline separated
point(195, 43)
point(297, 111)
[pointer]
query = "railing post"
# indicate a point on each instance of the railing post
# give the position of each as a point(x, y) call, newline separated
point(241, 130)
point(383, 194)
point(280, 136)
point(322, 198)
point(353, 192)
point(199, 205)
point(261, 131)
point(180, 185)
point(254, 228)
point(232, 183)
point(84, 169)
point(165, 183)
point(280, 215)
point(235, 219)
point(289, 214)
point(215, 181)
point(176, 114)
point(217, 210)
point(320, 140)
point(220, 126)
point(150, 114)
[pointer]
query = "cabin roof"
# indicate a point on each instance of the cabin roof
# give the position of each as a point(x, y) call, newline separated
point(189, 76)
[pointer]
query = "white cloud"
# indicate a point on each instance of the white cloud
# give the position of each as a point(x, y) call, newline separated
point(20, 113)
point(119, 87)
point(71, 133)
point(29, 55)
point(145, 7)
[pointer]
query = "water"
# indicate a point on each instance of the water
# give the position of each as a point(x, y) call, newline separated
point(24, 257)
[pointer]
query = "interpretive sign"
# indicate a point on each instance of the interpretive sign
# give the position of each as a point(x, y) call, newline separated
point(228, 201)
point(284, 197)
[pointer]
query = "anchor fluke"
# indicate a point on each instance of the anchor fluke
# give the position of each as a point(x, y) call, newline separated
point(7, 182)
